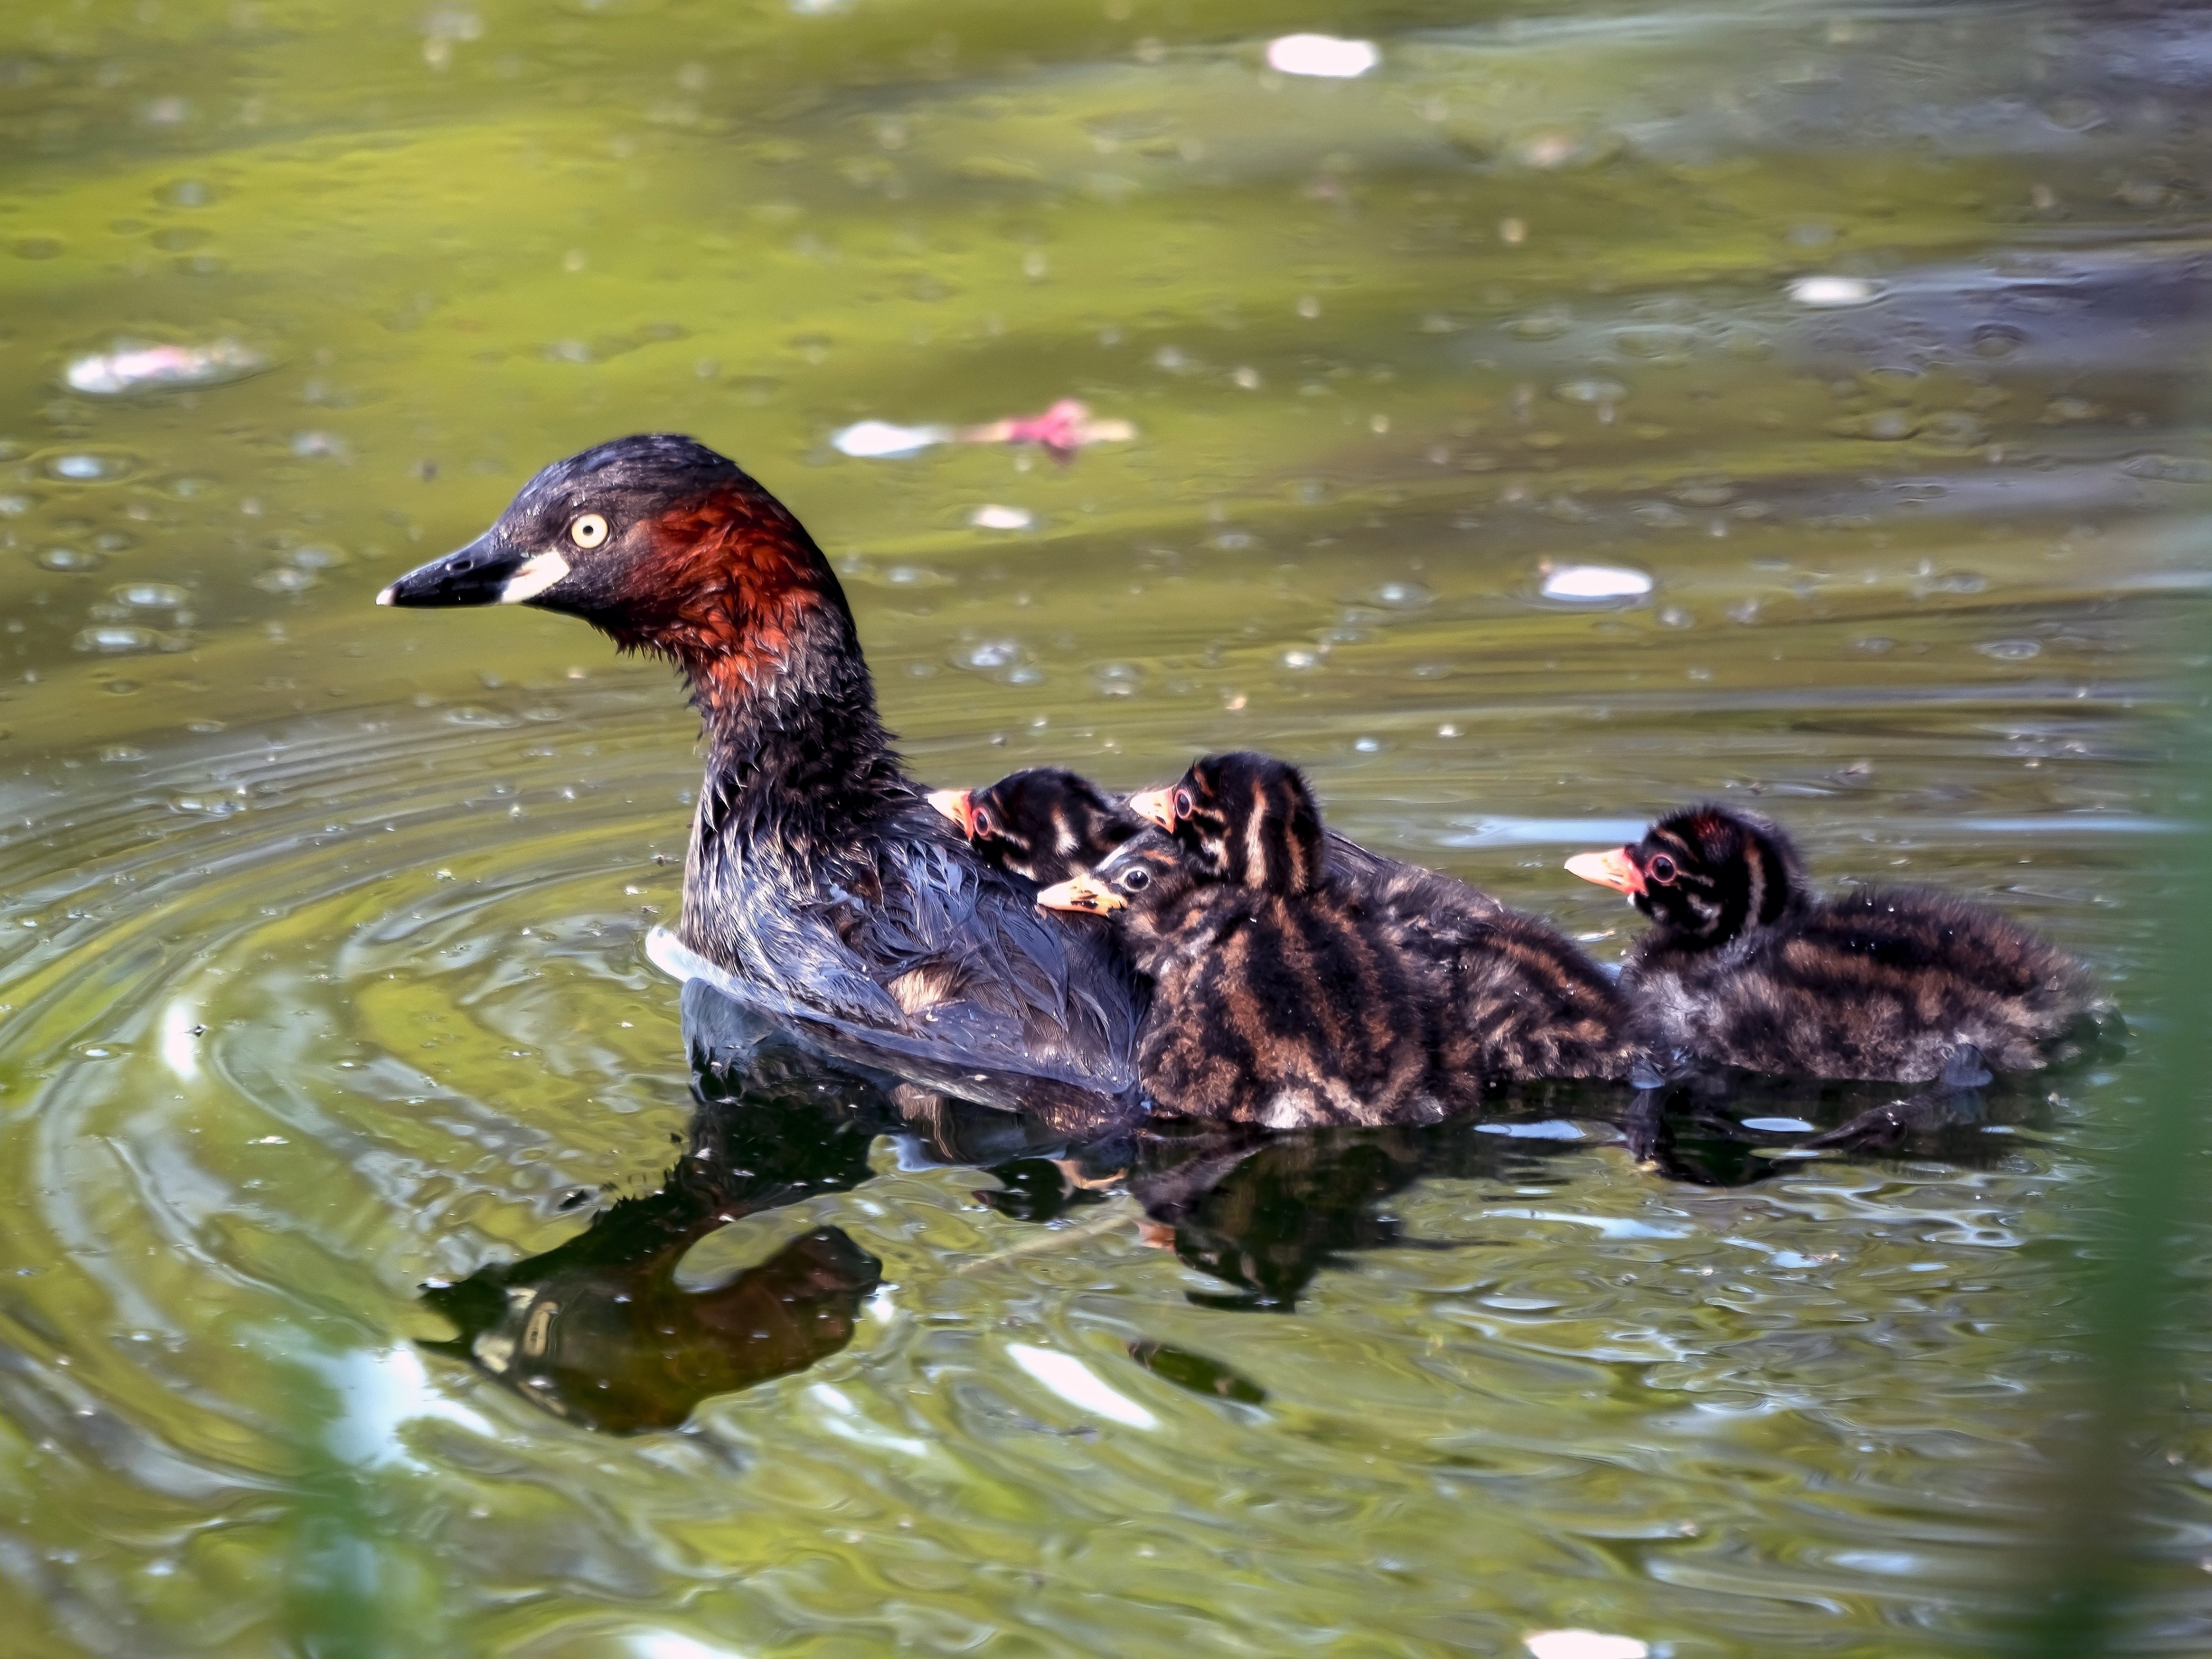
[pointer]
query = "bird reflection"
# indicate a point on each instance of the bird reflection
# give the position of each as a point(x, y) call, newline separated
point(599, 1331)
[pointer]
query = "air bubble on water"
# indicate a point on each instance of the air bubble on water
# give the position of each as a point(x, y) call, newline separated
point(1294, 658)
point(1117, 679)
point(285, 579)
point(316, 558)
point(992, 515)
point(1995, 340)
point(1368, 745)
point(89, 466)
point(117, 639)
point(151, 596)
point(2011, 650)
point(1402, 596)
point(72, 559)
point(1539, 326)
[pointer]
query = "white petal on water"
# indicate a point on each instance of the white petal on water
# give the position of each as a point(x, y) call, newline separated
point(1075, 1383)
point(993, 516)
point(871, 440)
point(1322, 55)
point(1593, 582)
point(1778, 1125)
point(1832, 293)
point(1585, 1644)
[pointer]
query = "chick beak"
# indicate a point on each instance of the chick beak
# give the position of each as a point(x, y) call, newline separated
point(1155, 806)
point(953, 803)
point(1616, 870)
point(1085, 893)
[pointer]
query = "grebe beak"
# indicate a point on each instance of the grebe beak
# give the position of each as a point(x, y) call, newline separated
point(1085, 893)
point(953, 803)
point(479, 574)
point(1155, 806)
point(1616, 870)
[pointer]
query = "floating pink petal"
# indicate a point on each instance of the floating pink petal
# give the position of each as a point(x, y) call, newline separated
point(138, 367)
point(1064, 427)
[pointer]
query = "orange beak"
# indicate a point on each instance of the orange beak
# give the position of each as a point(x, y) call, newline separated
point(1616, 870)
point(1085, 893)
point(953, 803)
point(1155, 806)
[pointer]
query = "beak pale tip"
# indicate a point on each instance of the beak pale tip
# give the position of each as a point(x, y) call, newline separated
point(384, 598)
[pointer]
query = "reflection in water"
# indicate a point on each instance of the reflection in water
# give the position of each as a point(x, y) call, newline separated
point(599, 1331)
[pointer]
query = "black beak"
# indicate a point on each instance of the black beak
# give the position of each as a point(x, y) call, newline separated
point(478, 574)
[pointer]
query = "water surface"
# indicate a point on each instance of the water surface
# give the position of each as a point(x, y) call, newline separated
point(1871, 334)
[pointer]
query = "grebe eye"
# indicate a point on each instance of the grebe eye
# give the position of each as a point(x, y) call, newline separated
point(1137, 880)
point(589, 531)
point(979, 818)
point(1182, 803)
point(1661, 869)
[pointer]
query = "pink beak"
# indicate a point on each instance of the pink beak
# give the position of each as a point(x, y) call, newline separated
point(1155, 806)
point(953, 803)
point(1616, 870)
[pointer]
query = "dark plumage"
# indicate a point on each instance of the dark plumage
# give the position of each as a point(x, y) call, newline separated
point(1045, 823)
point(1744, 966)
point(1537, 1006)
point(818, 879)
point(1290, 997)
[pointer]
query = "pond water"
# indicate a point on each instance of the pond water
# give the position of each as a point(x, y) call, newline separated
point(374, 1280)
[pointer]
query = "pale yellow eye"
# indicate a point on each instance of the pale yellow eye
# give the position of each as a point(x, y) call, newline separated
point(589, 531)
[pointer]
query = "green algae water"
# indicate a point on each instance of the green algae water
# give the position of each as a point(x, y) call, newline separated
point(1582, 410)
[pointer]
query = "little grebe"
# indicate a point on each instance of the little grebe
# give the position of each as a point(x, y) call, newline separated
point(1746, 967)
point(1538, 1006)
point(818, 879)
point(1045, 823)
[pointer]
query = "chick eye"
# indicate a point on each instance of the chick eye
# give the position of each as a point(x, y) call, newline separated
point(1661, 869)
point(1137, 880)
point(589, 531)
point(981, 820)
point(1182, 803)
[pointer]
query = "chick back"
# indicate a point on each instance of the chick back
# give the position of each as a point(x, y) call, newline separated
point(1291, 1013)
point(1875, 984)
